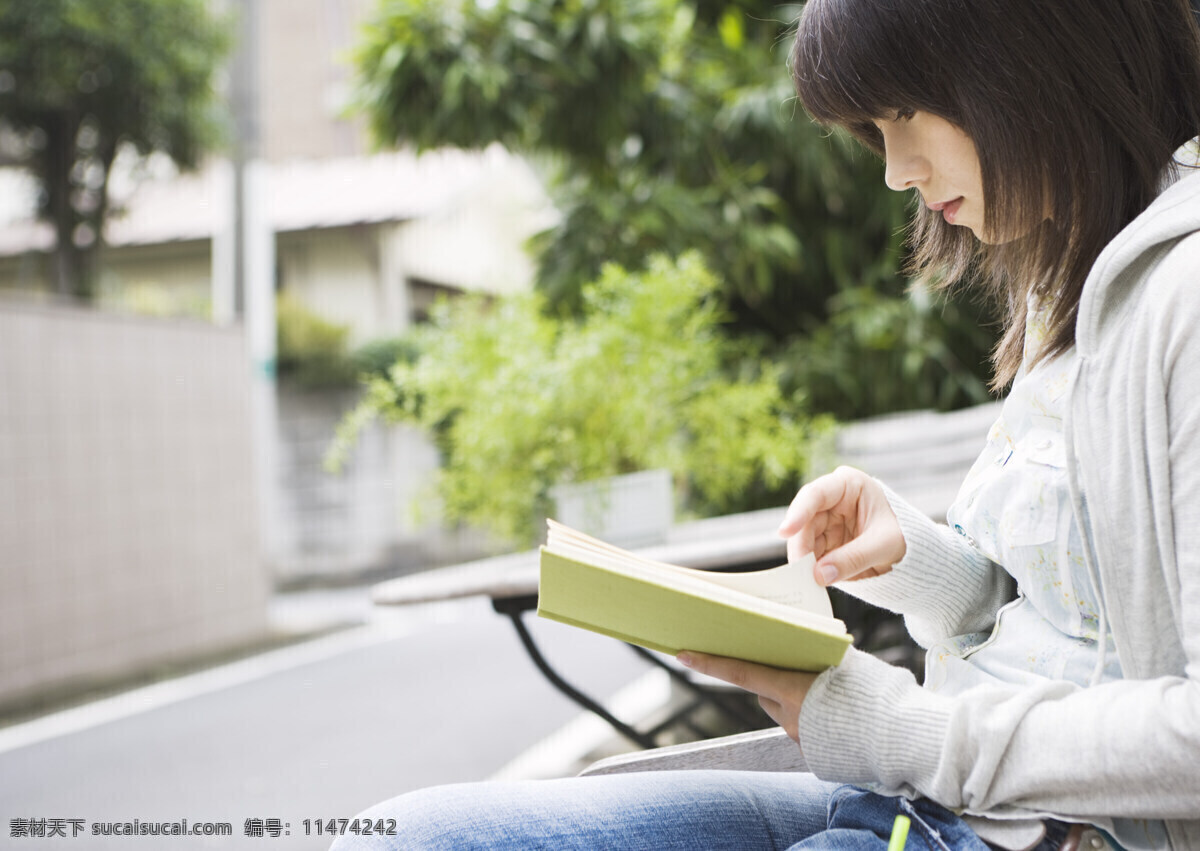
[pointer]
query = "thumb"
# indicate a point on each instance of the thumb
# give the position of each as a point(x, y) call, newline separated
point(869, 550)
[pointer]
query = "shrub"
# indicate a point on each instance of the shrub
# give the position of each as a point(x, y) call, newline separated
point(519, 401)
point(311, 351)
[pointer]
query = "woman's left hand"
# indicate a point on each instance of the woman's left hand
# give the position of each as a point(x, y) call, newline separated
point(780, 693)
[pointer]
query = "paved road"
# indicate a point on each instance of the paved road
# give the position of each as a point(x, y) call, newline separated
point(438, 695)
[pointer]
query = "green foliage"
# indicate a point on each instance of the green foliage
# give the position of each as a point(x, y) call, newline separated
point(672, 127)
point(666, 126)
point(520, 400)
point(880, 352)
point(310, 351)
point(313, 353)
point(80, 79)
point(376, 357)
point(151, 298)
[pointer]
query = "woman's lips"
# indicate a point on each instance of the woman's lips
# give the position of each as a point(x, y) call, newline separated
point(948, 209)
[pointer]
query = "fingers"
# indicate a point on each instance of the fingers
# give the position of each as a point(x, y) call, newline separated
point(826, 532)
point(845, 521)
point(745, 675)
point(810, 540)
point(777, 713)
point(780, 693)
point(880, 546)
point(795, 551)
point(846, 561)
point(819, 495)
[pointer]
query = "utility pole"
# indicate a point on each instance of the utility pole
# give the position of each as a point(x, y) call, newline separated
point(229, 244)
point(244, 262)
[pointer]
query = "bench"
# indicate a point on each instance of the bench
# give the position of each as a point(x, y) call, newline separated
point(735, 542)
point(922, 455)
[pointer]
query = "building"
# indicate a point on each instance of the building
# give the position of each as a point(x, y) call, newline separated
point(364, 240)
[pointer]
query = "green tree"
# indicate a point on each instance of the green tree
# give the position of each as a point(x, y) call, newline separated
point(82, 79)
point(667, 125)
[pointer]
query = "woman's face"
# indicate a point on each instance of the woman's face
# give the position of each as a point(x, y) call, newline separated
point(933, 156)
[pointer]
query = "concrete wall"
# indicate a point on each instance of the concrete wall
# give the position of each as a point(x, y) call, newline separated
point(128, 517)
point(377, 517)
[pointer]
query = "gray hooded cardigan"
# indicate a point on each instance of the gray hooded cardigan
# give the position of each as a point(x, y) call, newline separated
point(1129, 748)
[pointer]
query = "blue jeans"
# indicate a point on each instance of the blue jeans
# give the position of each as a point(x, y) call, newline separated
point(658, 811)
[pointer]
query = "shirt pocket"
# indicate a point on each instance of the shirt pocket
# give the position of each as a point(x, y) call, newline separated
point(1031, 511)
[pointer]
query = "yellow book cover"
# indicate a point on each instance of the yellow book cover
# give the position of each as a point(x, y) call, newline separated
point(778, 617)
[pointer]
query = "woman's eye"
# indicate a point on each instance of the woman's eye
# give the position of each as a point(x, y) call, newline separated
point(905, 113)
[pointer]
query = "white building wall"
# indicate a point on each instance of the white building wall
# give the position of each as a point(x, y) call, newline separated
point(336, 274)
point(128, 533)
point(164, 280)
point(478, 244)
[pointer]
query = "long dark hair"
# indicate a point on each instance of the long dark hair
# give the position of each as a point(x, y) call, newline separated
point(1075, 108)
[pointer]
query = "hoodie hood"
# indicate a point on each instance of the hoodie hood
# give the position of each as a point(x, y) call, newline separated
point(1174, 214)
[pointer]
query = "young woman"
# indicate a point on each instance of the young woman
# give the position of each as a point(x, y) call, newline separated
point(1050, 146)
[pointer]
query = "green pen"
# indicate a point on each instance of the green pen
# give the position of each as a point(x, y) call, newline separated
point(899, 834)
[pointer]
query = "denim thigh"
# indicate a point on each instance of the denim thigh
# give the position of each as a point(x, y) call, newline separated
point(711, 810)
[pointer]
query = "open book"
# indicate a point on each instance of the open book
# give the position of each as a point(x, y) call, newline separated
point(779, 617)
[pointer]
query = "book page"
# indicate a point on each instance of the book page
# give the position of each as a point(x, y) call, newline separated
point(790, 584)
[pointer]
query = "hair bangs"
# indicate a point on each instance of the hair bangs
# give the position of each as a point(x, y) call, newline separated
point(850, 68)
point(1075, 109)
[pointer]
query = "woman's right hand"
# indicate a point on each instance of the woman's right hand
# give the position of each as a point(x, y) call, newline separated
point(845, 521)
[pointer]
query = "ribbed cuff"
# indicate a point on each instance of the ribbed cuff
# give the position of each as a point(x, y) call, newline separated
point(938, 585)
point(868, 722)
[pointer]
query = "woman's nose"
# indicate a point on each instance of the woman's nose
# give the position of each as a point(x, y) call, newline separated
point(905, 166)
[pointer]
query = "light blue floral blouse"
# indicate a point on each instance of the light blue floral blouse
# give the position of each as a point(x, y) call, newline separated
point(1015, 508)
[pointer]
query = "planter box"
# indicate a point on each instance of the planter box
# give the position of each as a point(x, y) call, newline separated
point(633, 510)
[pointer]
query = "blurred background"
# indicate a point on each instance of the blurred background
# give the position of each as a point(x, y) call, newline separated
point(300, 295)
